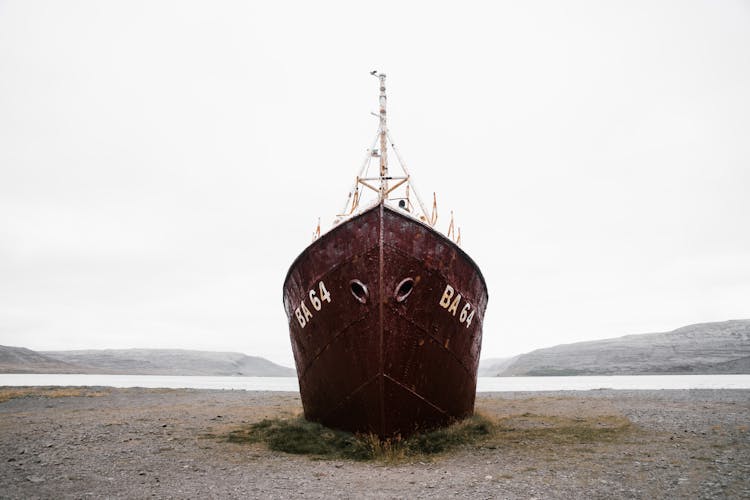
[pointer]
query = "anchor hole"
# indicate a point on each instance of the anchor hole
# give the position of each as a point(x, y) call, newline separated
point(404, 289)
point(359, 290)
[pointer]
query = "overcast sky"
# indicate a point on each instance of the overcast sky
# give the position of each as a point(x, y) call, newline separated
point(163, 163)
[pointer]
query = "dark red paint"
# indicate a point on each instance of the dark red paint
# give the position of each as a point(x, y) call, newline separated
point(385, 366)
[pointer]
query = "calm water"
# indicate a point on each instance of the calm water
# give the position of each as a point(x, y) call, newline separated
point(485, 384)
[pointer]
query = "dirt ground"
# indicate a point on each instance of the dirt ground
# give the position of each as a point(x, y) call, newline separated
point(136, 443)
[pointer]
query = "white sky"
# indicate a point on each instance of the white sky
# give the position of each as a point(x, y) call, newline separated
point(163, 163)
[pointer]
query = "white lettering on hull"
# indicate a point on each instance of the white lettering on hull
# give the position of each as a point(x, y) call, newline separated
point(303, 313)
point(448, 302)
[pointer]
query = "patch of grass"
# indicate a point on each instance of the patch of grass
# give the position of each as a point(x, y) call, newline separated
point(302, 437)
point(299, 436)
point(8, 393)
point(472, 430)
point(546, 429)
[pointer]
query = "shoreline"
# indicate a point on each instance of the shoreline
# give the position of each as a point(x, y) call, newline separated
point(126, 443)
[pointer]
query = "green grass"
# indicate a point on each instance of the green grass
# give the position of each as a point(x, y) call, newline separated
point(299, 436)
point(302, 437)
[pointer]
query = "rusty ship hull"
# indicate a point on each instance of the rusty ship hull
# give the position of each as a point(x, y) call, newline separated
point(385, 318)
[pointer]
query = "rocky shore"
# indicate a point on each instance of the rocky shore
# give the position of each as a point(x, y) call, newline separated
point(135, 443)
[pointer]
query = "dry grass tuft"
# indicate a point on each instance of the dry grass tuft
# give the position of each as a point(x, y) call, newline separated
point(8, 393)
point(547, 429)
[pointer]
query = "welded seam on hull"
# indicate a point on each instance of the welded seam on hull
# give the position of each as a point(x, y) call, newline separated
point(350, 395)
point(333, 339)
point(480, 316)
point(415, 394)
point(381, 298)
point(435, 339)
point(335, 334)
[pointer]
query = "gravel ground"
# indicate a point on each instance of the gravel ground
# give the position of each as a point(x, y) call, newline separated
point(135, 443)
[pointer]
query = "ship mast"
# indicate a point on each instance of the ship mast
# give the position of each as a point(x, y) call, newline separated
point(381, 184)
point(383, 131)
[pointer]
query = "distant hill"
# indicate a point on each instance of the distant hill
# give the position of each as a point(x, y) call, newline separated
point(21, 360)
point(491, 367)
point(704, 348)
point(139, 362)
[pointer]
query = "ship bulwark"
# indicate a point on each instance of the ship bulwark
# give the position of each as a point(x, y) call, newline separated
point(385, 319)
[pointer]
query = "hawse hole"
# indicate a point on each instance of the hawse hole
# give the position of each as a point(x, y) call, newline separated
point(403, 289)
point(359, 290)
